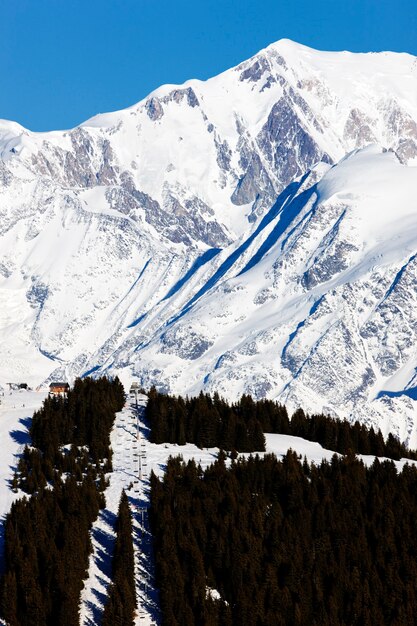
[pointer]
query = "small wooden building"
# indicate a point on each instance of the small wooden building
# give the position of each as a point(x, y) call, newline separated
point(58, 389)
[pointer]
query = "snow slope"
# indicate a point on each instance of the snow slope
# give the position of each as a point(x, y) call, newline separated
point(129, 447)
point(230, 234)
point(16, 410)
point(318, 310)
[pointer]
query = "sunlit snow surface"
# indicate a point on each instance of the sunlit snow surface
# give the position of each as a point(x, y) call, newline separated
point(150, 242)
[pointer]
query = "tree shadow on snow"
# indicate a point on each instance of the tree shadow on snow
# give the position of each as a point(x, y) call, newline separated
point(142, 539)
point(103, 561)
point(101, 597)
point(22, 436)
point(96, 608)
point(109, 517)
point(96, 612)
point(105, 541)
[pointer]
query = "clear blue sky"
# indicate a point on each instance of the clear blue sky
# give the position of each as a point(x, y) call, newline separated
point(63, 61)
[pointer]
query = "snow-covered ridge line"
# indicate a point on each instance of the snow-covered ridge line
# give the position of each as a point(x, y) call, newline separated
point(150, 241)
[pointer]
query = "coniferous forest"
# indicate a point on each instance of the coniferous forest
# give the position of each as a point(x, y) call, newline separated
point(247, 541)
point(210, 421)
point(271, 543)
point(205, 421)
point(47, 547)
point(47, 542)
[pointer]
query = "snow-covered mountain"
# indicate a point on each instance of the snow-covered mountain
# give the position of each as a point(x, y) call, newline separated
point(256, 232)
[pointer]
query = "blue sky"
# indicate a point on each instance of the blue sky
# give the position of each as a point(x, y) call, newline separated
point(65, 60)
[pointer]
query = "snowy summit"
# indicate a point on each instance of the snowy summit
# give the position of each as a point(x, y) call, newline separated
point(253, 233)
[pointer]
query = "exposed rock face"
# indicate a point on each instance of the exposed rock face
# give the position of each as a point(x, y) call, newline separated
point(254, 183)
point(283, 130)
point(185, 343)
point(151, 242)
point(154, 109)
point(359, 125)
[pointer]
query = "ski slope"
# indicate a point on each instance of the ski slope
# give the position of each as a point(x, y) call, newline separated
point(134, 457)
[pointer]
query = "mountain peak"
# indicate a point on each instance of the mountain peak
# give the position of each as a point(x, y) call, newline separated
point(286, 44)
point(216, 236)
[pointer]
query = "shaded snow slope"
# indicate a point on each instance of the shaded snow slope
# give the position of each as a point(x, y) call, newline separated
point(216, 236)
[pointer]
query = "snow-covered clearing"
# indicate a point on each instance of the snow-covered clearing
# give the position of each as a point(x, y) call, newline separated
point(314, 452)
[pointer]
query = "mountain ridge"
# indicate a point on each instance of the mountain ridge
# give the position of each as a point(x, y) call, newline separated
point(118, 234)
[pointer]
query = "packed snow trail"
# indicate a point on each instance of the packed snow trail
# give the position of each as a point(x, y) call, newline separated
point(129, 465)
point(146, 593)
